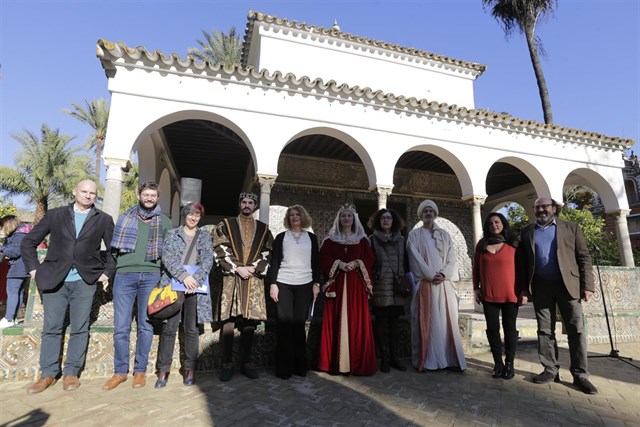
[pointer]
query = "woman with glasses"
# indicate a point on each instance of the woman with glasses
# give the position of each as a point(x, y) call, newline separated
point(388, 246)
point(175, 256)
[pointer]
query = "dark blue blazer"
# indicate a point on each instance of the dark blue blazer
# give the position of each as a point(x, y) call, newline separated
point(67, 251)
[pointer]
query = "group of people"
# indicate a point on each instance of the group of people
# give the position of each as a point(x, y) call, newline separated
point(357, 275)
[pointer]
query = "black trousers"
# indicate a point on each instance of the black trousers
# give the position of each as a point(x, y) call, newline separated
point(292, 309)
point(509, 314)
point(189, 317)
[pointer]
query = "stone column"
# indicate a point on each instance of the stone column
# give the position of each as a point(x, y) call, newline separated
point(266, 183)
point(113, 185)
point(622, 235)
point(476, 220)
point(383, 191)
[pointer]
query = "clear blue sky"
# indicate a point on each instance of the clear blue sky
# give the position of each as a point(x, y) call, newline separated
point(47, 52)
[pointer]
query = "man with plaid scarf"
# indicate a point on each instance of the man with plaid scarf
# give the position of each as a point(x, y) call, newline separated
point(137, 243)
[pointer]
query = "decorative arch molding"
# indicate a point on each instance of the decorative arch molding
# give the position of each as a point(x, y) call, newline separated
point(191, 114)
point(133, 120)
point(347, 139)
point(454, 162)
point(611, 198)
point(164, 188)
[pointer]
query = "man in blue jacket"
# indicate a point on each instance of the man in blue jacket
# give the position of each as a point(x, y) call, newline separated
point(67, 278)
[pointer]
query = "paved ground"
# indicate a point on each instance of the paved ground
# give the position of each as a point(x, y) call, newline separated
point(447, 398)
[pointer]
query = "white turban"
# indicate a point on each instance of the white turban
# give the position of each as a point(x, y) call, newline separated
point(426, 203)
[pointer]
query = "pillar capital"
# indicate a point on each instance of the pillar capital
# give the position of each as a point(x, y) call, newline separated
point(266, 182)
point(383, 191)
point(619, 213)
point(116, 168)
point(475, 200)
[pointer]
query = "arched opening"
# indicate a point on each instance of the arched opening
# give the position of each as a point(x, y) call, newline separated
point(215, 154)
point(321, 172)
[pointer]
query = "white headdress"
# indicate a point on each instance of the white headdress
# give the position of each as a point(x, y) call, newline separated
point(357, 228)
point(426, 203)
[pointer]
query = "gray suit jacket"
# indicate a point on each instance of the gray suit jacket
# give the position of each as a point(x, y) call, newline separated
point(573, 257)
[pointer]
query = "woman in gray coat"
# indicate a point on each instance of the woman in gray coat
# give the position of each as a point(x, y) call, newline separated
point(388, 246)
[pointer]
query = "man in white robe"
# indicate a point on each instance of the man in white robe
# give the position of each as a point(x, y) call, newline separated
point(435, 336)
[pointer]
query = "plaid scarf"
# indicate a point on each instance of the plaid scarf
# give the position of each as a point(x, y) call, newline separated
point(125, 234)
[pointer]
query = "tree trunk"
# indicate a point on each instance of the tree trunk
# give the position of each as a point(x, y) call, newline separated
point(99, 143)
point(537, 69)
point(41, 210)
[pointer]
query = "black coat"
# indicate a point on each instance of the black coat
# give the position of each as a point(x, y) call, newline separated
point(66, 250)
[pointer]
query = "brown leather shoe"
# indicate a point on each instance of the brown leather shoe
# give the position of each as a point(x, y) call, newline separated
point(114, 381)
point(139, 380)
point(70, 382)
point(41, 385)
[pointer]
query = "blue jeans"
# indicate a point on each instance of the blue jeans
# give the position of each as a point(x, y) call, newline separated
point(15, 292)
point(128, 287)
point(78, 297)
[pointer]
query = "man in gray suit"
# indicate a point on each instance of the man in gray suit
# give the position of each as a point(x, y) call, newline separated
point(557, 267)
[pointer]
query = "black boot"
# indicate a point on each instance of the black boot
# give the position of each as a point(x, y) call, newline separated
point(510, 344)
point(496, 350)
point(394, 345)
point(246, 344)
point(508, 372)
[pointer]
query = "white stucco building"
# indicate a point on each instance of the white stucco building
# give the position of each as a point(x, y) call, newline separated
point(322, 116)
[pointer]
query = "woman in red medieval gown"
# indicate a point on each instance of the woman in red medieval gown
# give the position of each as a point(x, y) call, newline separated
point(346, 343)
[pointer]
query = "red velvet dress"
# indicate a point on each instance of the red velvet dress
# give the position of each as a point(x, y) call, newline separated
point(346, 343)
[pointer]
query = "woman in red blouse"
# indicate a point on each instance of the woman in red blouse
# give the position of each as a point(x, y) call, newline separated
point(496, 287)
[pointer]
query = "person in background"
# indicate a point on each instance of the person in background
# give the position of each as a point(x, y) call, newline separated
point(496, 287)
point(176, 247)
point(435, 336)
point(17, 274)
point(67, 279)
point(294, 277)
point(137, 241)
point(346, 344)
point(388, 246)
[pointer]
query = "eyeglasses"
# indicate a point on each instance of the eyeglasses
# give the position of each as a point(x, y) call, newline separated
point(545, 206)
point(386, 217)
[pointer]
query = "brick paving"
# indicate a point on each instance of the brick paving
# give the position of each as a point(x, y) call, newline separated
point(442, 398)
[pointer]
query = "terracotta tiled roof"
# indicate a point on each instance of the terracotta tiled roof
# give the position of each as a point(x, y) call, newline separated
point(337, 34)
point(111, 53)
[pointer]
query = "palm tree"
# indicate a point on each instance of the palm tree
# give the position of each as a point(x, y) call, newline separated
point(46, 168)
point(129, 195)
point(524, 15)
point(96, 116)
point(219, 48)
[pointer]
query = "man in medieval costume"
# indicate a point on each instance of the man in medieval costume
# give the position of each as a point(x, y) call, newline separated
point(435, 337)
point(242, 248)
